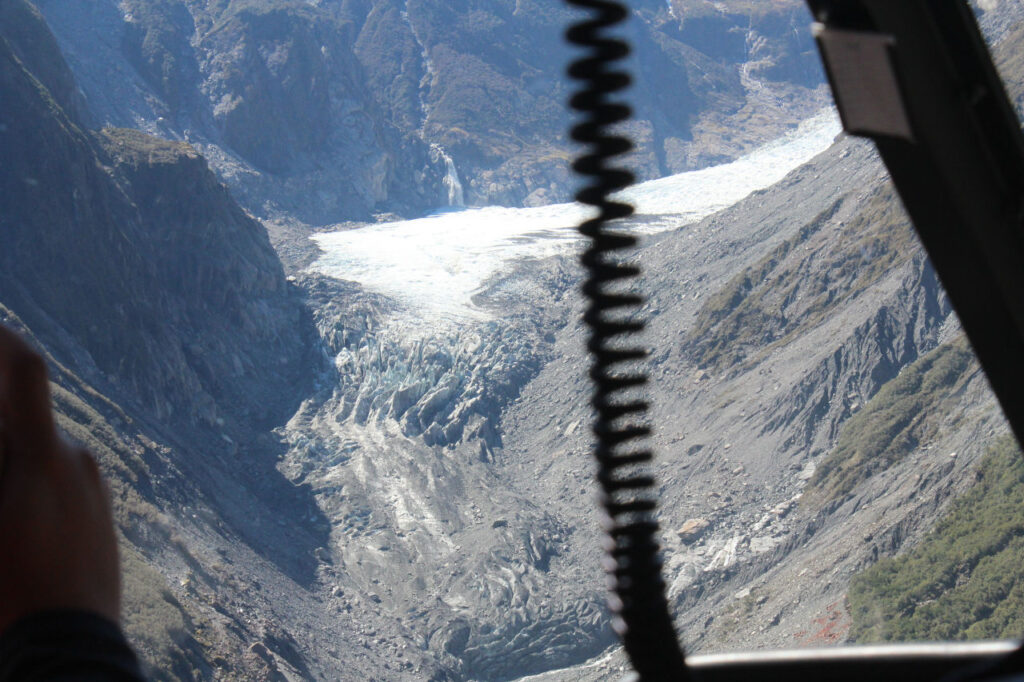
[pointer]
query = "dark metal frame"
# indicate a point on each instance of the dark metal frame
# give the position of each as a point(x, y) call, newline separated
point(903, 662)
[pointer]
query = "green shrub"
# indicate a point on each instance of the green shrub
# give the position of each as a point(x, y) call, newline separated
point(800, 282)
point(965, 580)
point(905, 413)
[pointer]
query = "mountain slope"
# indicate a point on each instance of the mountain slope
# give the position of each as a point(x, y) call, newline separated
point(962, 581)
point(142, 271)
point(381, 105)
point(153, 314)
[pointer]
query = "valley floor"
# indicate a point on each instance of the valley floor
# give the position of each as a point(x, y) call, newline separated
point(451, 458)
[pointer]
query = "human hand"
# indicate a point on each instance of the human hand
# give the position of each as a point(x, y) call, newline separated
point(58, 549)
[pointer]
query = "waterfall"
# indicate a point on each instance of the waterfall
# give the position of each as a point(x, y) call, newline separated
point(428, 73)
point(451, 180)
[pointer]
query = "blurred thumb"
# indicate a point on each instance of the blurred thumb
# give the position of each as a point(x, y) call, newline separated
point(27, 433)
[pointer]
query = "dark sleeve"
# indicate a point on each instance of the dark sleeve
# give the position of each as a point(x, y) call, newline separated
point(66, 645)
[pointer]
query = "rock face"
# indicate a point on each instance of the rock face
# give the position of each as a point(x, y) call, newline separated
point(177, 303)
point(327, 111)
point(752, 560)
point(692, 530)
point(174, 342)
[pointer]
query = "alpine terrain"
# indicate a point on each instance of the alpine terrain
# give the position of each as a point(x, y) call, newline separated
point(305, 276)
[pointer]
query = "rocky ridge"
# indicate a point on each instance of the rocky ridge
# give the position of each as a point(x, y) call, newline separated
point(322, 112)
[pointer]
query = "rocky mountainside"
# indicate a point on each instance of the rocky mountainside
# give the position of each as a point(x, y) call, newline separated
point(173, 280)
point(337, 110)
point(174, 342)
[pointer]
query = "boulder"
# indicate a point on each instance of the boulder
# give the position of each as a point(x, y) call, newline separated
point(692, 530)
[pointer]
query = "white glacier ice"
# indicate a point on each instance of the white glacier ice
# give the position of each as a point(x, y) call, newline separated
point(434, 265)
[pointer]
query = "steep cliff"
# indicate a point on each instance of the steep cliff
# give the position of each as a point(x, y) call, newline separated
point(182, 305)
point(327, 111)
point(175, 343)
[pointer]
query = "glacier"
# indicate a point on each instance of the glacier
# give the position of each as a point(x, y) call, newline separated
point(434, 265)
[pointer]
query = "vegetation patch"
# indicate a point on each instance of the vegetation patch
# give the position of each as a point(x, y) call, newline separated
point(135, 147)
point(800, 282)
point(154, 619)
point(906, 412)
point(162, 629)
point(964, 580)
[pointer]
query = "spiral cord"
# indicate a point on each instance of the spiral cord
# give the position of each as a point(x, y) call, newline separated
point(640, 611)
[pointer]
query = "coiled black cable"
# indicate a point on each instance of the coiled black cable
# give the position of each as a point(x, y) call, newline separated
point(642, 617)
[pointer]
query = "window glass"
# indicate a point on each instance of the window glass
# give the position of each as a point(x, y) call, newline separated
point(307, 279)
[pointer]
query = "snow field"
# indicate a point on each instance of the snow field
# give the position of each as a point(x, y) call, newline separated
point(434, 265)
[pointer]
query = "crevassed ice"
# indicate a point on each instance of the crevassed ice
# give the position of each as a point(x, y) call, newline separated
point(434, 265)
